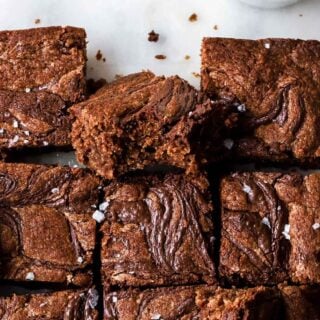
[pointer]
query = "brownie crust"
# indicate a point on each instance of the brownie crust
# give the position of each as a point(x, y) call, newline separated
point(158, 231)
point(64, 305)
point(275, 83)
point(199, 302)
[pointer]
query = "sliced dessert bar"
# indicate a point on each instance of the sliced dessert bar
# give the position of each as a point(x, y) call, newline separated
point(158, 231)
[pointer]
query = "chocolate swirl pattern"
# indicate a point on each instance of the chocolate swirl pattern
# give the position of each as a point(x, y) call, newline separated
point(254, 249)
point(276, 82)
point(67, 305)
point(46, 229)
point(158, 232)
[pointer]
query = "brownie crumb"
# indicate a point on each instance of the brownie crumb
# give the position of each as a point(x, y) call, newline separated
point(153, 36)
point(215, 27)
point(98, 55)
point(193, 18)
point(196, 74)
point(94, 85)
point(300, 15)
point(37, 21)
point(186, 57)
point(104, 59)
point(160, 56)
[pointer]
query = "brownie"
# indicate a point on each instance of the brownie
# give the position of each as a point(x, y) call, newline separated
point(158, 231)
point(42, 73)
point(301, 302)
point(275, 83)
point(270, 228)
point(47, 233)
point(143, 120)
point(62, 305)
point(187, 303)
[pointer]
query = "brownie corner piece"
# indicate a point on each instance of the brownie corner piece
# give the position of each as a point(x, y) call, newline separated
point(255, 247)
point(200, 302)
point(69, 304)
point(146, 120)
point(47, 233)
point(50, 59)
point(158, 231)
point(275, 82)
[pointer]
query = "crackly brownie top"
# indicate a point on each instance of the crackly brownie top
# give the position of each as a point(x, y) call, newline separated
point(270, 226)
point(72, 189)
point(36, 119)
point(277, 83)
point(200, 302)
point(44, 59)
point(254, 248)
point(137, 121)
point(158, 231)
point(63, 305)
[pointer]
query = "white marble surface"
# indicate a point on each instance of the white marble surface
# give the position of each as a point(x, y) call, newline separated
point(119, 28)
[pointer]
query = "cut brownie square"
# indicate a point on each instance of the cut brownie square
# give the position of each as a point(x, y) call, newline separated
point(47, 233)
point(143, 120)
point(199, 302)
point(270, 228)
point(254, 248)
point(302, 196)
point(158, 231)
point(275, 83)
point(48, 306)
point(42, 72)
point(301, 302)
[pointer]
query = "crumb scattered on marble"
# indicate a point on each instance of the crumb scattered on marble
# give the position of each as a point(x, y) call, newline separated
point(99, 55)
point(300, 15)
point(215, 27)
point(104, 59)
point(160, 56)
point(153, 36)
point(37, 21)
point(196, 74)
point(187, 57)
point(193, 17)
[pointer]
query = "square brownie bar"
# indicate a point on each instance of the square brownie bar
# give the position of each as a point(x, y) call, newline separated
point(270, 228)
point(142, 120)
point(198, 302)
point(158, 231)
point(275, 83)
point(47, 306)
point(42, 72)
point(47, 233)
point(301, 302)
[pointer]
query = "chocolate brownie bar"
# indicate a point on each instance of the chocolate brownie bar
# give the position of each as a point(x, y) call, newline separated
point(199, 302)
point(275, 83)
point(270, 228)
point(301, 302)
point(158, 231)
point(60, 305)
point(47, 233)
point(42, 73)
point(142, 120)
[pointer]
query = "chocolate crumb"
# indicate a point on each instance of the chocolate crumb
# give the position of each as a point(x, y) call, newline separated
point(186, 57)
point(196, 74)
point(193, 18)
point(160, 56)
point(104, 59)
point(99, 55)
point(37, 21)
point(300, 15)
point(215, 27)
point(153, 36)
point(94, 85)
